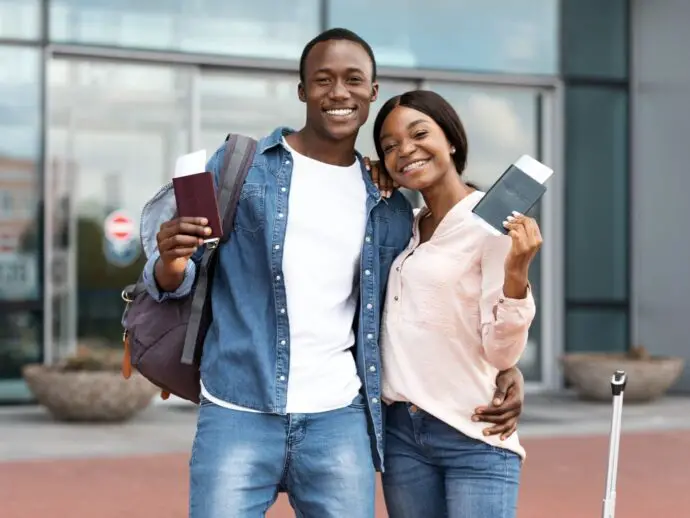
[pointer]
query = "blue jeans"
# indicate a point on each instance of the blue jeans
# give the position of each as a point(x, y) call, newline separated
point(240, 460)
point(434, 471)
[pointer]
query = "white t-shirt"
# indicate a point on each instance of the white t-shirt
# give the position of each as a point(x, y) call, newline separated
point(321, 256)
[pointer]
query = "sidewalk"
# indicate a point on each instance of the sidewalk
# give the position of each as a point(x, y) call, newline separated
point(29, 432)
point(139, 469)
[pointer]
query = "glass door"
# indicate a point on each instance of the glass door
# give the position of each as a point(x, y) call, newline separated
point(20, 221)
point(114, 132)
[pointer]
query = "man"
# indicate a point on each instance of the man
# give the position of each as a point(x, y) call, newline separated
point(290, 387)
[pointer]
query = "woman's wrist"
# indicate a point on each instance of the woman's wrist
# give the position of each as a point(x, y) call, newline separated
point(515, 283)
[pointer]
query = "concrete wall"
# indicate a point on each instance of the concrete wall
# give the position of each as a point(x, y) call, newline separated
point(661, 178)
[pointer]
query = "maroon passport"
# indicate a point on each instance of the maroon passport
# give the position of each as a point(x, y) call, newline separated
point(196, 198)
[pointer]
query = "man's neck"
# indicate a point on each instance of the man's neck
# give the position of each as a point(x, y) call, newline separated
point(309, 143)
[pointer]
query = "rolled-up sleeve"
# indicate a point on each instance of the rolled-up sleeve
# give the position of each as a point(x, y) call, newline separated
point(152, 286)
point(505, 321)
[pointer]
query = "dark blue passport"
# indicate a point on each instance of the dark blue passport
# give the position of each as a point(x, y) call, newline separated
point(515, 190)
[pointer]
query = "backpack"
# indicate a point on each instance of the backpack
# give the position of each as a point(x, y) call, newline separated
point(163, 340)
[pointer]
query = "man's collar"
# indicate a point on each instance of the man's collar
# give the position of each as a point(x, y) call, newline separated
point(274, 139)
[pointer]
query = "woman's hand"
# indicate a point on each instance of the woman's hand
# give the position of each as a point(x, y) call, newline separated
point(526, 236)
point(379, 176)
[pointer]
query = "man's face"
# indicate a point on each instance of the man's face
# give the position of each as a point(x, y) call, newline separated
point(337, 88)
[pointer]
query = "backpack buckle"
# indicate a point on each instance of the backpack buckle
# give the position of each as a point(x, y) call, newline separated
point(212, 244)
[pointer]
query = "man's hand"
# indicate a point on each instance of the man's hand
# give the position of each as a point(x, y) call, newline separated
point(506, 406)
point(379, 176)
point(178, 239)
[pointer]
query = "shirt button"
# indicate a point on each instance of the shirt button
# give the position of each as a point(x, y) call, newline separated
point(277, 247)
point(287, 161)
point(395, 298)
point(372, 368)
point(280, 215)
point(369, 306)
point(282, 310)
point(367, 239)
point(367, 272)
point(283, 342)
point(370, 336)
point(397, 268)
point(277, 277)
point(282, 378)
point(283, 189)
point(374, 400)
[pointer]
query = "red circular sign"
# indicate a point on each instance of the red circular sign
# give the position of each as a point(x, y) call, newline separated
point(119, 227)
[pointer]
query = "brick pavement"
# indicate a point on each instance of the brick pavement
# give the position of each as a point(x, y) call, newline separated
point(563, 477)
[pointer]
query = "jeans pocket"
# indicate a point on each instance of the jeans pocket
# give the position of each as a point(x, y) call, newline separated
point(358, 403)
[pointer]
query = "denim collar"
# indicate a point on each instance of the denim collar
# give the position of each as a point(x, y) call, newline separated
point(275, 139)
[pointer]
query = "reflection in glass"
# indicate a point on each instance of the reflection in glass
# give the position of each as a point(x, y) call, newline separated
point(20, 342)
point(20, 185)
point(505, 36)
point(252, 104)
point(260, 28)
point(20, 19)
point(115, 131)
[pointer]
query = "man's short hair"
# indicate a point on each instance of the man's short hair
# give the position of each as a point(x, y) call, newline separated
point(336, 34)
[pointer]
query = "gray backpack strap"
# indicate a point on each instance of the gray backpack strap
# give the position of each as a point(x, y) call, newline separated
point(238, 157)
point(235, 168)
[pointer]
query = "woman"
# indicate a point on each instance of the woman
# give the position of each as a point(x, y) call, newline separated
point(458, 310)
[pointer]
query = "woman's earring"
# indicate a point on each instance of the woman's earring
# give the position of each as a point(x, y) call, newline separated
point(452, 150)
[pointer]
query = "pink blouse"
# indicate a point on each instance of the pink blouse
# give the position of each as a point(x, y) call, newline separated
point(447, 327)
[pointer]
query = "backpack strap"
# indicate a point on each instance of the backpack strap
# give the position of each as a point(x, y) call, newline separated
point(238, 157)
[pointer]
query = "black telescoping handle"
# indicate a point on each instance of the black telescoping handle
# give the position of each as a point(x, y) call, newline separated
point(618, 381)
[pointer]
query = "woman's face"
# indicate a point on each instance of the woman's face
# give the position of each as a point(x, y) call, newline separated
point(416, 151)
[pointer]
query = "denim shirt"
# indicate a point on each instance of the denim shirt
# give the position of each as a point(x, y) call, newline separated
point(246, 353)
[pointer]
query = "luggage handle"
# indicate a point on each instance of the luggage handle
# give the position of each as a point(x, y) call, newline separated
point(618, 382)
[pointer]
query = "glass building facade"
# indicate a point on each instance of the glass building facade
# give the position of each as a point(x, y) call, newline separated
point(98, 98)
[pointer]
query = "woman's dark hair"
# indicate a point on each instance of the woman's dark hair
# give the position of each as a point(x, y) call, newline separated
point(431, 104)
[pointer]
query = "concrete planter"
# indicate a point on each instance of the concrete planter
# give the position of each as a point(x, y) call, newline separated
point(648, 378)
point(88, 395)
